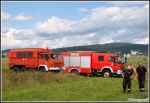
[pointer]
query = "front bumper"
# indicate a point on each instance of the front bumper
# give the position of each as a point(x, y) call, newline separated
point(58, 68)
point(119, 71)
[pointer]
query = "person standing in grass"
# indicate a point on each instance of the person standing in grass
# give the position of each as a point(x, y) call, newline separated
point(127, 75)
point(141, 73)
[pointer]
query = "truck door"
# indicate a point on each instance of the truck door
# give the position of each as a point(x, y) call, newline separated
point(32, 59)
point(42, 60)
point(98, 61)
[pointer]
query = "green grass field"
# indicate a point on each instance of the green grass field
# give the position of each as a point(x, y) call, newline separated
point(37, 86)
point(134, 61)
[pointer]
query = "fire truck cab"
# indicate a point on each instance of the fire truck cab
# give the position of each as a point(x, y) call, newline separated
point(96, 63)
point(34, 58)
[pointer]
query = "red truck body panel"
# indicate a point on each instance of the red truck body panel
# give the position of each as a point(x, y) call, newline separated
point(87, 62)
point(34, 58)
point(82, 61)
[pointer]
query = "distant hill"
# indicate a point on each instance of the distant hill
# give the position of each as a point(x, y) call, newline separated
point(7, 50)
point(111, 47)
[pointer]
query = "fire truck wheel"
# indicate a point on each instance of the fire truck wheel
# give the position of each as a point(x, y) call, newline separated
point(106, 73)
point(16, 69)
point(23, 69)
point(43, 69)
point(74, 72)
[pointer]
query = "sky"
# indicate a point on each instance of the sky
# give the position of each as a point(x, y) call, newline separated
point(73, 23)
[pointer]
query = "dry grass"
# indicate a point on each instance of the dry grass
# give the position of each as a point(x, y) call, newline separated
point(13, 79)
point(4, 64)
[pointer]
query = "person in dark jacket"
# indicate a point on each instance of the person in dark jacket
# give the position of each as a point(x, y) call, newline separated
point(127, 75)
point(141, 73)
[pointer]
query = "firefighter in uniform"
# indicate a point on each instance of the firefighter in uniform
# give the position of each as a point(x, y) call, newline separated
point(127, 75)
point(140, 73)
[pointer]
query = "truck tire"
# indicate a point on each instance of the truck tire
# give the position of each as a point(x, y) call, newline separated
point(23, 69)
point(74, 72)
point(106, 73)
point(16, 69)
point(43, 69)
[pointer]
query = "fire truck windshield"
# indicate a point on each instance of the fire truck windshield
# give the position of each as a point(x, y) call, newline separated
point(112, 59)
point(121, 59)
point(55, 56)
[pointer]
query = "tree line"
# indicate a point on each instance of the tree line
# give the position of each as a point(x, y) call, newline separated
point(125, 48)
point(111, 47)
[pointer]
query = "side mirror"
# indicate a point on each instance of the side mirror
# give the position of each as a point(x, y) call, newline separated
point(125, 59)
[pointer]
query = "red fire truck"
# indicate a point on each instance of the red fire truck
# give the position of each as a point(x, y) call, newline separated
point(96, 63)
point(34, 58)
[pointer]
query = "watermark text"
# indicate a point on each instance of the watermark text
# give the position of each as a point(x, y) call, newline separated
point(138, 100)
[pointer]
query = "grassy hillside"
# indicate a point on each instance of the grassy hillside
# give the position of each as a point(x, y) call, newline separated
point(37, 86)
point(111, 47)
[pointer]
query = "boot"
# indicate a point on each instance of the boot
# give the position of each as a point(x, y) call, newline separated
point(141, 90)
point(124, 90)
point(129, 90)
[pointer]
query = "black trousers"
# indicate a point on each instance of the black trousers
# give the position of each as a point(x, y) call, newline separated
point(126, 82)
point(141, 81)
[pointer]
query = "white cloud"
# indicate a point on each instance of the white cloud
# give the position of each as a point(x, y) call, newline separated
point(13, 38)
point(120, 32)
point(9, 42)
point(73, 40)
point(81, 9)
point(105, 40)
point(103, 25)
point(21, 17)
point(141, 41)
point(146, 6)
point(53, 25)
point(5, 16)
point(106, 17)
